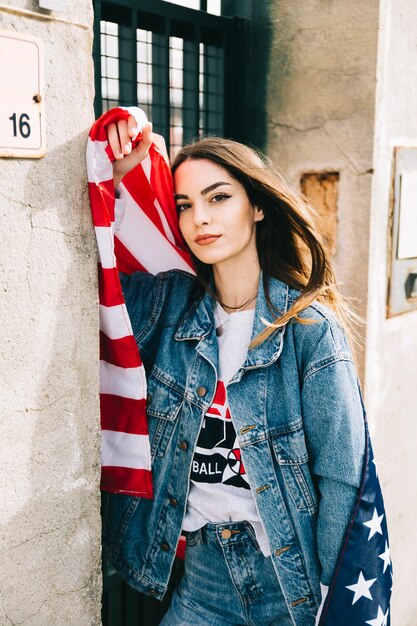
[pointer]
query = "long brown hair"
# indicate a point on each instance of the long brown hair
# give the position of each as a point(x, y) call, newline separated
point(290, 248)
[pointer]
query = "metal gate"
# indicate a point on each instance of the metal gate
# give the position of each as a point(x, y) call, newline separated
point(184, 68)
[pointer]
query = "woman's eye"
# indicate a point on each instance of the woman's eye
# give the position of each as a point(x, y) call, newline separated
point(183, 207)
point(218, 197)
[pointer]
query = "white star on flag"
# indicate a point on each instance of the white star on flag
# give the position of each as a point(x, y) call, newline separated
point(380, 620)
point(361, 588)
point(385, 556)
point(374, 524)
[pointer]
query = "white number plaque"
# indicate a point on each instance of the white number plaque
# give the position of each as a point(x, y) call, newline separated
point(22, 119)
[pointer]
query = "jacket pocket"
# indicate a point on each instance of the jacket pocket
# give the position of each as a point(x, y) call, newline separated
point(292, 457)
point(163, 404)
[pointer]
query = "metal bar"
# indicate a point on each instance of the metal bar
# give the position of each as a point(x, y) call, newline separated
point(127, 66)
point(160, 84)
point(134, 76)
point(167, 136)
point(206, 88)
point(197, 69)
point(191, 105)
point(174, 12)
point(214, 89)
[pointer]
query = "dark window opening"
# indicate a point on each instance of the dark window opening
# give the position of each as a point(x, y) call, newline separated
point(177, 63)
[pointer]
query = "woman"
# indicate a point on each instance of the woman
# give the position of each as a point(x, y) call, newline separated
point(256, 422)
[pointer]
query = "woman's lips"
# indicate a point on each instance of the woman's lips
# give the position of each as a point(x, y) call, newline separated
point(205, 240)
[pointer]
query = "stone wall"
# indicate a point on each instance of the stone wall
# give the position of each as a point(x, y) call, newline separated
point(391, 346)
point(50, 526)
point(320, 112)
point(340, 95)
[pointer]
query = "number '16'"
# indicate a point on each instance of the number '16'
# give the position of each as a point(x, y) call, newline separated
point(21, 126)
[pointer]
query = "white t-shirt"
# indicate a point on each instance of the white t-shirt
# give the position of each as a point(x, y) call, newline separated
point(219, 490)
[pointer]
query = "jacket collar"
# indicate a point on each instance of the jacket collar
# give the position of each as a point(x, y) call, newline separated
point(199, 322)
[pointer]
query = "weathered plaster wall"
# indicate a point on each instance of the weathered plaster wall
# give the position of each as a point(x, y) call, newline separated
point(320, 111)
point(340, 96)
point(391, 363)
point(49, 447)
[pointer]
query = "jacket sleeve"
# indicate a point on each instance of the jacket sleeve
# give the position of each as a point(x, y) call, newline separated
point(140, 291)
point(335, 435)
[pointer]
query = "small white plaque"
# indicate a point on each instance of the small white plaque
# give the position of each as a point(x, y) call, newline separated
point(53, 5)
point(407, 235)
point(22, 120)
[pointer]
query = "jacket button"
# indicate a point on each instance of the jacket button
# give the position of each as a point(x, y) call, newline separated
point(173, 502)
point(148, 399)
point(297, 602)
point(165, 547)
point(152, 592)
point(201, 391)
point(183, 445)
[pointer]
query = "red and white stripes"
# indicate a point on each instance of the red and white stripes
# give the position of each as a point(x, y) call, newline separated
point(148, 240)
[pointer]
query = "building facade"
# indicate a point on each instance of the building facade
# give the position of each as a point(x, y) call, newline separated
point(327, 90)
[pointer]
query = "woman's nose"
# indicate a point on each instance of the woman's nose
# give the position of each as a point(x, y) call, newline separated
point(201, 215)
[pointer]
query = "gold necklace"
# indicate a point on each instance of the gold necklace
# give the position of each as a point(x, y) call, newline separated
point(235, 308)
point(219, 329)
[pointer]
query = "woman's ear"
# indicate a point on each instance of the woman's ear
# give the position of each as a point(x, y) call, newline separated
point(259, 214)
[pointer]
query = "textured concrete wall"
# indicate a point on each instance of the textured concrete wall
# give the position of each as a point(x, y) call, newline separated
point(391, 365)
point(320, 111)
point(340, 95)
point(49, 446)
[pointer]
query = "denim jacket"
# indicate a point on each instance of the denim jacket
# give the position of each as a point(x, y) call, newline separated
point(297, 410)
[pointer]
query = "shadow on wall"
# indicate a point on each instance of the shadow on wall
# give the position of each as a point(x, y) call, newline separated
point(51, 555)
point(254, 66)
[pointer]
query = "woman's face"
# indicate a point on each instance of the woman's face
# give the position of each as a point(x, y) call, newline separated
point(216, 218)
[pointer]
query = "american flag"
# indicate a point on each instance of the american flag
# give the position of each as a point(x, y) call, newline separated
point(360, 591)
point(150, 223)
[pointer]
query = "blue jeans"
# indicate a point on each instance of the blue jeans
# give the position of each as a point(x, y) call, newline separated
point(227, 581)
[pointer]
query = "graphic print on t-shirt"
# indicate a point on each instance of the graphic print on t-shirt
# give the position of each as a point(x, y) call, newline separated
point(217, 458)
